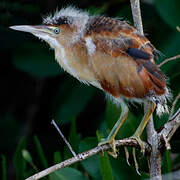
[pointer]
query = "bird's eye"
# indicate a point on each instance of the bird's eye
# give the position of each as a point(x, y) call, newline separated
point(57, 31)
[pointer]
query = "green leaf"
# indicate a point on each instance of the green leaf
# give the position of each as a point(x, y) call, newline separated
point(8, 121)
point(37, 60)
point(121, 170)
point(144, 175)
point(99, 135)
point(169, 11)
point(95, 10)
point(74, 140)
point(74, 137)
point(74, 103)
point(67, 174)
point(18, 160)
point(170, 49)
point(113, 113)
point(57, 157)
point(166, 163)
point(92, 164)
point(3, 163)
point(106, 169)
point(40, 152)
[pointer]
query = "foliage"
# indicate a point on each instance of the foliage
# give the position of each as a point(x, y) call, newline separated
point(35, 89)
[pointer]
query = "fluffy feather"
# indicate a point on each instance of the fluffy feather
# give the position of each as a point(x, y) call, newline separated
point(79, 20)
point(85, 23)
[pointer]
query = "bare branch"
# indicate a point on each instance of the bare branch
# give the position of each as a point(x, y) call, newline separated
point(87, 154)
point(155, 156)
point(136, 12)
point(169, 59)
point(170, 128)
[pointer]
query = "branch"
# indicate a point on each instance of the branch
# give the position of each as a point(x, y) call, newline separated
point(173, 105)
point(63, 137)
point(155, 157)
point(169, 59)
point(152, 136)
point(170, 128)
point(136, 12)
point(87, 154)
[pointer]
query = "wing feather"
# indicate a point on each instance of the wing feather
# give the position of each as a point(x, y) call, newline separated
point(123, 46)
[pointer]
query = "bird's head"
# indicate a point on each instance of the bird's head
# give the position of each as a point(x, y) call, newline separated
point(64, 27)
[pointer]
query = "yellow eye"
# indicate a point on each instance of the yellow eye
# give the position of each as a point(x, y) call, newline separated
point(57, 31)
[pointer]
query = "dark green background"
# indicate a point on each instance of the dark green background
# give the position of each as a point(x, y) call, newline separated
point(34, 90)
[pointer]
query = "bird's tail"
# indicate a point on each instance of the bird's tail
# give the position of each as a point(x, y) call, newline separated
point(162, 102)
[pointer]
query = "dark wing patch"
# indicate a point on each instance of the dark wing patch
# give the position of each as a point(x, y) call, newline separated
point(156, 75)
point(154, 70)
point(138, 54)
point(106, 24)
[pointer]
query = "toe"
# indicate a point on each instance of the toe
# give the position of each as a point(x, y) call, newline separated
point(140, 142)
point(111, 142)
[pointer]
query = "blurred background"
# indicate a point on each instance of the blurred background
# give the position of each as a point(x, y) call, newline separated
point(34, 90)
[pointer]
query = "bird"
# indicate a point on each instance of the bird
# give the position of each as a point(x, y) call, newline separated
point(111, 55)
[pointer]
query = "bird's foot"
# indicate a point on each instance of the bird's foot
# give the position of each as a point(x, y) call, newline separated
point(142, 147)
point(111, 142)
point(140, 142)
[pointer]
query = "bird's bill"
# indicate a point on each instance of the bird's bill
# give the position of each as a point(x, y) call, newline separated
point(31, 29)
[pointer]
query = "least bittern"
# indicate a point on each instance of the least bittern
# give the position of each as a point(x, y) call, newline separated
point(110, 55)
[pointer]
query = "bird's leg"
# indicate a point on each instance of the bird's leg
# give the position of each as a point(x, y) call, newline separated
point(111, 138)
point(148, 112)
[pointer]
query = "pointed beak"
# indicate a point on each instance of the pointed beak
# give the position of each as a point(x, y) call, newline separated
point(31, 29)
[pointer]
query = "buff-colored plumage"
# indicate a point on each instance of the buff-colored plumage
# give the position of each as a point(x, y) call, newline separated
point(110, 55)
point(98, 50)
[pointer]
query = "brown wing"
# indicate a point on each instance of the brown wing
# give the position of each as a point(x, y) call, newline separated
point(123, 35)
point(124, 59)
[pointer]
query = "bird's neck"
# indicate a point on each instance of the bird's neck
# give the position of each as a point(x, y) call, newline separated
point(74, 59)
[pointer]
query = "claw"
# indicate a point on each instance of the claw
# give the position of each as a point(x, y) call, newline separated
point(140, 142)
point(111, 142)
point(127, 155)
point(135, 161)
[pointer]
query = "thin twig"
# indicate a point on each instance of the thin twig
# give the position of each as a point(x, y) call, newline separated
point(87, 154)
point(169, 59)
point(168, 130)
point(65, 140)
point(174, 104)
point(170, 127)
point(155, 156)
point(175, 115)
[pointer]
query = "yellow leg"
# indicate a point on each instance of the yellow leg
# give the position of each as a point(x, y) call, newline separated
point(148, 112)
point(111, 138)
